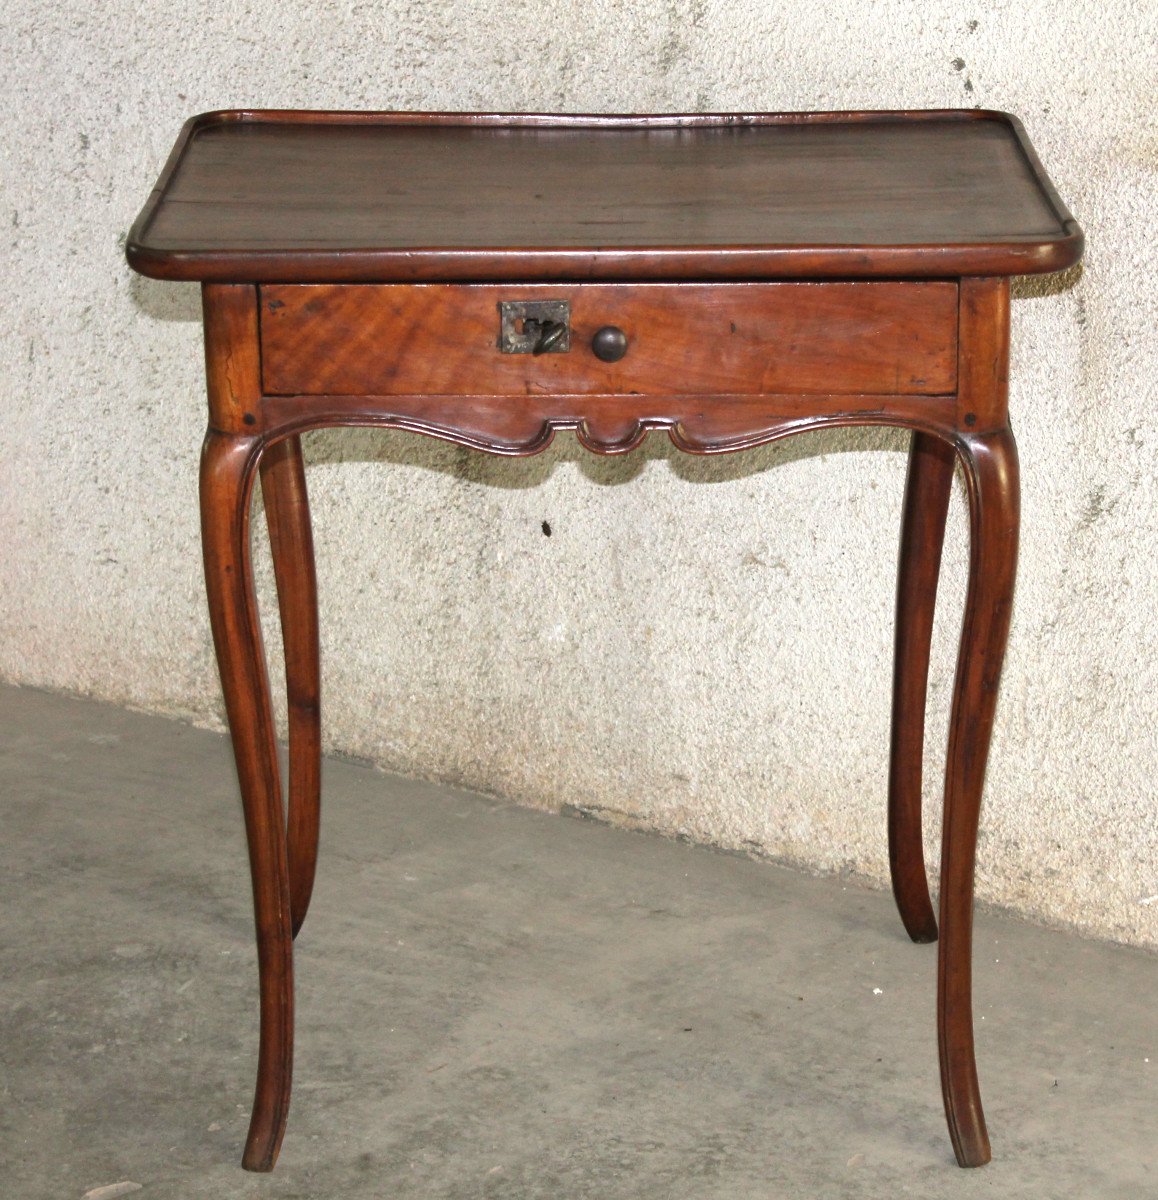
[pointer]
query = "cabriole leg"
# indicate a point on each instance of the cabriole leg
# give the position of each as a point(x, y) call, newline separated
point(927, 489)
point(228, 466)
point(287, 512)
point(991, 475)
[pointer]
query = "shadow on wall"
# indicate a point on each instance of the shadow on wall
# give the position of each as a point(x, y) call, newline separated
point(160, 300)
point(164, 301)
point(1036, 287)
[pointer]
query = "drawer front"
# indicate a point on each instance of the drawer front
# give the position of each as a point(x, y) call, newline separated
point(682, 339)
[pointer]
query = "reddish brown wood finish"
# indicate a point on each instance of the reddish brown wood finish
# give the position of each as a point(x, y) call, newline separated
point(991, 474)
point(728, 199)
point(227, 469)
point(989, 461)
point(922, 534)
point(229, 464)
point(287, 514)
point(983, 368)
point(686, 339)
point(607, 424)
point(523, 423)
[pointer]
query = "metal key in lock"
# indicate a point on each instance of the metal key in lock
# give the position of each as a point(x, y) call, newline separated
point(534, 326)
point(547, 334)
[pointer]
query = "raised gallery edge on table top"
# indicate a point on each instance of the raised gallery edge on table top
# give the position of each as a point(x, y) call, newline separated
point(284, 196)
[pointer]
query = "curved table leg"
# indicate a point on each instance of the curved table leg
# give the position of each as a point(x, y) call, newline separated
point(287, 513)
point(922, 535)
point(991, 476)
point(228, 467)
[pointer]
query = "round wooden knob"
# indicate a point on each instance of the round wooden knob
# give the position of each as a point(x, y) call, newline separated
point(609, 343)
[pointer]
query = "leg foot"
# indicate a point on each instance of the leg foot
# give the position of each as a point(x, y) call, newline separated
point(922, 535)
point(228, 467)
point(991, 475)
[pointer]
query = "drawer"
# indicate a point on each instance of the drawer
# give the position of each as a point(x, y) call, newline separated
point(682, 339)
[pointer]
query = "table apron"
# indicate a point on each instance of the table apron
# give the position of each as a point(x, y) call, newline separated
point(605, 424)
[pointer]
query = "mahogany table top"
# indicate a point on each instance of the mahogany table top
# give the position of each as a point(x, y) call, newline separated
point(261, 196)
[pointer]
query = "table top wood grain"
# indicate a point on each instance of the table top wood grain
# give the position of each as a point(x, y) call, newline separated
point(260, 196)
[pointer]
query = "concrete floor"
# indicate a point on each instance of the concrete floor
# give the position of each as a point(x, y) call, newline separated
point(498, 1003)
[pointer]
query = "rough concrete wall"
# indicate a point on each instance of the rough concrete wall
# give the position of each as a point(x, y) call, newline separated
point(699, 647)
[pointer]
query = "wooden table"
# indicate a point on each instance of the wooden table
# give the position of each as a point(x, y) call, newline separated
point(492, 279)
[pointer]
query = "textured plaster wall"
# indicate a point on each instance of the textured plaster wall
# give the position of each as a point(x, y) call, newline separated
point(698, 647)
